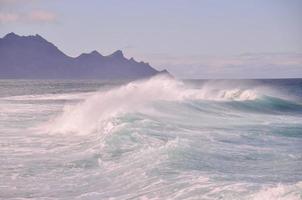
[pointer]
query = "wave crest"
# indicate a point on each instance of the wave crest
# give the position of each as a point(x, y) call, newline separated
point(132, 97)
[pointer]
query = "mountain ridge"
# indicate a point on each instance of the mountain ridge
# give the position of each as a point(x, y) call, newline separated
point(33, 57)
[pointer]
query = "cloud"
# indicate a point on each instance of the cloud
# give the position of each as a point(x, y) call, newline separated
point(2, 2)
point(8, 17)
point(7, 1)
point(41, 16)
point(35, 16)
point(260, 65)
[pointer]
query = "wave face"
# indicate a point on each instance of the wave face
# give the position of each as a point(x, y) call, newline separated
point(158, 138)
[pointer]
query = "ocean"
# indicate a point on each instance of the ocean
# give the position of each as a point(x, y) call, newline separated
point(158, 138)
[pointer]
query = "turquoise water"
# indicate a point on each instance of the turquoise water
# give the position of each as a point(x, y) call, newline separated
point(153, 139)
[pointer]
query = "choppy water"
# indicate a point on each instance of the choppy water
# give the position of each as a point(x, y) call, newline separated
point(153, 139)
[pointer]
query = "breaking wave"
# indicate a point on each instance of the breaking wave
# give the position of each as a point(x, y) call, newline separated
point(135, 96)
point(158, 138)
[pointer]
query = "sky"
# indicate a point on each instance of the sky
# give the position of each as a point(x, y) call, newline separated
point(190, 38)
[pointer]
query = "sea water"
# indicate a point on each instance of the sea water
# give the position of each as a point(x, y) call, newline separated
point(157, 138)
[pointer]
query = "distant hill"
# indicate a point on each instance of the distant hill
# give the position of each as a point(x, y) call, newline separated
point(33, 57)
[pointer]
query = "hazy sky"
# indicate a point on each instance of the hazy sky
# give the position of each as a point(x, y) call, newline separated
point(191, 38)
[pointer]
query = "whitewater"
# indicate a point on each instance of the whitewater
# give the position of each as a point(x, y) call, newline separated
point(158, 138)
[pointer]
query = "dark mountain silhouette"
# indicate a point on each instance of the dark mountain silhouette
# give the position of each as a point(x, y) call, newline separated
point(33, 57)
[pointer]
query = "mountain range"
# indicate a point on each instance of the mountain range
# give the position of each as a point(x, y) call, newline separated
point(33, 57)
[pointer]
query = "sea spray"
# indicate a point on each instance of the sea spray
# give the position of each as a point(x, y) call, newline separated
point(87, 116)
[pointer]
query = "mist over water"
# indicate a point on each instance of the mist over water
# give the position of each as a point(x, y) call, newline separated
point(157, 138)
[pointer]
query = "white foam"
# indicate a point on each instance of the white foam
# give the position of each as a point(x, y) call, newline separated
point(280, 192)
point(239, 95)
point(65, 96)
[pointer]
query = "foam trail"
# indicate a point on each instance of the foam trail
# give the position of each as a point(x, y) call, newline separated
point(280, 192)
point(71, 96)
